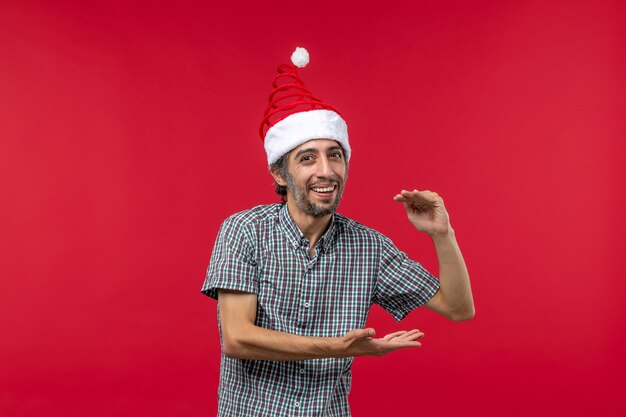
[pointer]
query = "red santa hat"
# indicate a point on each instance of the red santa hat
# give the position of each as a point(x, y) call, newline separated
point(294, 115)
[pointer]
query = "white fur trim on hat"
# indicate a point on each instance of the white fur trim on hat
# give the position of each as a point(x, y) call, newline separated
point(301, 127)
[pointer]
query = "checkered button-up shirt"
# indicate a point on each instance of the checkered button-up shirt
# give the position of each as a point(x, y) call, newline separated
point(262, 251)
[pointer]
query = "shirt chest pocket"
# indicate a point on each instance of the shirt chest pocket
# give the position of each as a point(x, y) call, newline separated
point(280, 285)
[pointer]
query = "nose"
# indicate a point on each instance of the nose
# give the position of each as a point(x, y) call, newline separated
point(323, 168)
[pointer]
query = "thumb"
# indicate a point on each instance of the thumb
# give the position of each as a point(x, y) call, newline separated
point(364, 333)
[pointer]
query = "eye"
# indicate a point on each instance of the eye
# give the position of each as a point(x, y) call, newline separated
point(306, 158)
point(336, 155)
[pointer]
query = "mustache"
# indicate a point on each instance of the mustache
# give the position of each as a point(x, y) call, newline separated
point(333, 180)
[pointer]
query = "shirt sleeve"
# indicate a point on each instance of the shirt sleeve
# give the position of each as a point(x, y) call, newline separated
point(232, 265)
point(402, 284)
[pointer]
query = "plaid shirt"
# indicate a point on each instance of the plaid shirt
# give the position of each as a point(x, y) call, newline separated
point(262, 251)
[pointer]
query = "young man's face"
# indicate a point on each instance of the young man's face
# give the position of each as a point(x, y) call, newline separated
point(317, 172)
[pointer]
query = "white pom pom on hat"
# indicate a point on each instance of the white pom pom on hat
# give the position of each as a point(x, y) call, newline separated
point(300, 57)
point(295, 116)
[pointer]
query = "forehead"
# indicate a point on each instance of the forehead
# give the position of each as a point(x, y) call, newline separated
point(319, 145)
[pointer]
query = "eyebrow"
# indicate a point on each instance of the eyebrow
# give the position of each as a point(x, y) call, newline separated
point(313, 150)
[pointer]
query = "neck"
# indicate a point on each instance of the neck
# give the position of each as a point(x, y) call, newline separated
point(311, 227)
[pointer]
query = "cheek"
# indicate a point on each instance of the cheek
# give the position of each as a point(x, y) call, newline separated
point(303, 175)
point(341, 171)
point(299, 171)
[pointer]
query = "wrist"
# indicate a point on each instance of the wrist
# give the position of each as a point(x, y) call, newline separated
point(326, 347)
point(443, 235)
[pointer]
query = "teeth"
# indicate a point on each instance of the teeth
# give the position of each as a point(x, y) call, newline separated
point(324, 190)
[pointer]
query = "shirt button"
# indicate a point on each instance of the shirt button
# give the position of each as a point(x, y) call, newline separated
point(307, 305)
point(297, 404)
point(301, 370)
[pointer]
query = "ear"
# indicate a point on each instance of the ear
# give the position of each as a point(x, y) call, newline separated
point(278, 178)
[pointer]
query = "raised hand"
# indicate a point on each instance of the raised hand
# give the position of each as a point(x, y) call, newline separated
point(425, 211)
point(361, 342)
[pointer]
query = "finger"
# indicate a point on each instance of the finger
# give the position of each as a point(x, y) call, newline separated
point(409, 336)
point(418, 196)
point(425, 194)
point(412, 335)
point(393, 335)
point(412, 331)
point(401, 199)
point(407, 192)
point(414, 192)
point(368, 332)
point(405, 345)
point(360, 334)
point(402, 194)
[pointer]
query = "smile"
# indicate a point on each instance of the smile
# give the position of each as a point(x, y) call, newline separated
point(324, 189)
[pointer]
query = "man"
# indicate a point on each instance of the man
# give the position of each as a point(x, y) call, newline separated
point(295, 281)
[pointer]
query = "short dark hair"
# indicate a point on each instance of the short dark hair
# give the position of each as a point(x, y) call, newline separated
point(280, 166)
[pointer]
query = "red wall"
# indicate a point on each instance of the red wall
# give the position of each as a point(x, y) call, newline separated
point(128, 133)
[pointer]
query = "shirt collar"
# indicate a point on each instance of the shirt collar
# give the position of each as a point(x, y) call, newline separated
point(295, 235)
